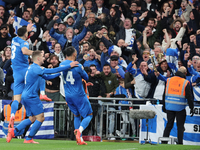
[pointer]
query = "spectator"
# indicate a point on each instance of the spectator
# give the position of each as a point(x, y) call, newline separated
point(142, 87)
point(3, 15)
point(98, 9)
point(45, 19)
point(26, 15)
point(97, 90)
point(92, 58)
point(4, 38)
point(93, 25)
point(111, 84)
point(152, 37)
point(118, 70)
point(124, 93)
point(184, 11)
point(87, 6)
point(58, 52)
point(69, 39)
point(193, 23)
point(114, 17)
point(52, 89)
point(133, 11)
point(147, 5)
point(83, 50)
point(5, 56)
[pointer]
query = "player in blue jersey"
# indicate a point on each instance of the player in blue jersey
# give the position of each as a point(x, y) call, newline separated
point(20, 64)
point(75, 95)
point(30, 97)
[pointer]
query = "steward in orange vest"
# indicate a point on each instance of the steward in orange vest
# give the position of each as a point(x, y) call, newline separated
point(177, 95)
point(19, 116)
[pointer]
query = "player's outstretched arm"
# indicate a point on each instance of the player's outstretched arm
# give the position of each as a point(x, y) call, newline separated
point(26, 51)
point(49, 77)
point(60, 68)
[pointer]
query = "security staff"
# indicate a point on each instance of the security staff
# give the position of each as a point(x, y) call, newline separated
point(19, 116)
point(177, 95)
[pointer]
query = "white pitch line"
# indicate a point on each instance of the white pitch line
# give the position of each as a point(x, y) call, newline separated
point(127, 149)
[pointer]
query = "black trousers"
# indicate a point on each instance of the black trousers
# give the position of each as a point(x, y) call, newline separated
point(180, 120)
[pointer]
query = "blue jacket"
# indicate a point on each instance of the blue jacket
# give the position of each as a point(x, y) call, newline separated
point(62, 39)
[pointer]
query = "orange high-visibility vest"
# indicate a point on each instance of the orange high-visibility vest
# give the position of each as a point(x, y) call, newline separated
point(175, 93)
point(85, 88)
point(19, 115)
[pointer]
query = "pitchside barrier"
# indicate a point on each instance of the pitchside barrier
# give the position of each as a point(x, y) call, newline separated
point(158, 123)
point(59, 121)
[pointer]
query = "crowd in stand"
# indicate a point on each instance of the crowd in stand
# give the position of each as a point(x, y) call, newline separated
point(119, 42)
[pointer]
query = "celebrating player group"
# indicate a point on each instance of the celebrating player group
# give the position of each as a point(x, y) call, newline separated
point(26, 89)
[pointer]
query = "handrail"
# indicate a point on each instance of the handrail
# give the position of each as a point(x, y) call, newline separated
point(109, 99)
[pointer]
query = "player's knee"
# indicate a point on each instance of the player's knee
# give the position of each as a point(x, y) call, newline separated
point(32, 119)
point(77, 115)
point(42, 119)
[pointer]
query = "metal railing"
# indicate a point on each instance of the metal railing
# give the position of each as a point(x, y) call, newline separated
point(63, 117)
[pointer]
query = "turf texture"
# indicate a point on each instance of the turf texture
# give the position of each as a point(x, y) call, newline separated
point(17, 144)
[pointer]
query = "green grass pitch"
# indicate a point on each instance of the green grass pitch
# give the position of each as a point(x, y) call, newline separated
point(17, 144)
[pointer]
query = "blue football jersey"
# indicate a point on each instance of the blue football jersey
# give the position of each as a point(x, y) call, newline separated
point(32, 81)
point(73, 80)
point(19, 60)
point(33, 78)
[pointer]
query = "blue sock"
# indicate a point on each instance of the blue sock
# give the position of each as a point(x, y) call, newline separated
point(36, 125)
point(85, 122)
point(42, 84)
point(77, 122)
point(14, 106)
point(22, 126)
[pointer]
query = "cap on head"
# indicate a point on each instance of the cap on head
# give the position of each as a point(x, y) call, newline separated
point(3, 26)
point(104, 27)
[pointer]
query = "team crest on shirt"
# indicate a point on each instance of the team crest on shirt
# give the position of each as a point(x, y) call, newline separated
point(8, 43)
point(41, 67)
point(25, 43)
point(109, 81)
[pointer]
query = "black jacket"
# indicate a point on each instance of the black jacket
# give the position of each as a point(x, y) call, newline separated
point(98, 88)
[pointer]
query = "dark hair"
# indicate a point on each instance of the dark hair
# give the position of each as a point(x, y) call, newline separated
point(26, 11)
point(121, 80)
point(92, 65)
point(152, 19)
point(21, 31)
point(88, 1)
point(69, 51)
point(133, 2)
point(106, 65)
point(52, 56)
point(86, 42)
point(87, 70)
point(92, 47)
point(4, 51)
point(169, 31)
point(59, 44)
point(159, 41)
point(50, 10)
point(35, 54)
point(161, 9)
